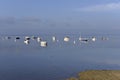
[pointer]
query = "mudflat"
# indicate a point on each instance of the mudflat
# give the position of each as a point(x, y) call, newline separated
point(98, 75)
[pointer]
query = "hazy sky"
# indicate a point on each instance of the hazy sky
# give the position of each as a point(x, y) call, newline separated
point(78, 14)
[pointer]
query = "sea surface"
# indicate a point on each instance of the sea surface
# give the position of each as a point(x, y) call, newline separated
point(59, 60)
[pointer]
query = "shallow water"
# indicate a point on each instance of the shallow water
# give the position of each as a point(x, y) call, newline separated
point(59, 60)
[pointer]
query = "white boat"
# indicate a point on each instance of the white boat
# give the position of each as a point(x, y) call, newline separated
point(26, 41)
point(66, 39)
point(93, 39)
point(43, 44)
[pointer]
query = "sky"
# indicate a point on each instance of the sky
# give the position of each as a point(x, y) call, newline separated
point(59, 14)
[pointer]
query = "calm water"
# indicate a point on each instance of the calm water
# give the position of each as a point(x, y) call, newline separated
point(59, 60)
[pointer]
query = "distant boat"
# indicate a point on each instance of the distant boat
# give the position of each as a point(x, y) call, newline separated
point(16, 38)
point(7, 37)
point(83, 39)
point(38, 39)
point(105, 38)
point(93, 39)
point(34, 37)
point(27, 38)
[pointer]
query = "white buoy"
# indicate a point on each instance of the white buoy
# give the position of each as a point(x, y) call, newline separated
point(57, 40)
point(74, 42)
point(80, 38)
point(66, 39)
point(53, 38)
point(43, 44)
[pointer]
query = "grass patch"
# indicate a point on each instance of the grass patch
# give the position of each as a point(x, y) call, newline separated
point(98, 75)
